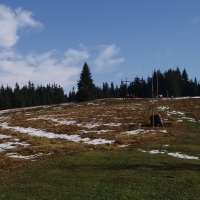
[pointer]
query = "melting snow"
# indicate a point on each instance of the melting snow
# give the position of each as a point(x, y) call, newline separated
point(135, 132)
point(41, 133)
point(11, 145)
point(181, 114)
point(174, 113)
point(100, 141)
point(163, 108)
point(59, 121)
point(15, 155)
point(4, 136)
point(155, 151)
point(176, 155)
point(113, 124)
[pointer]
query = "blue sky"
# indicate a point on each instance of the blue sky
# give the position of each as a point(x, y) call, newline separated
point(49, 41)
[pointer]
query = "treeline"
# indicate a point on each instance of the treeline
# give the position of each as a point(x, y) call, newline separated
point(170, 83)
point(28, 95)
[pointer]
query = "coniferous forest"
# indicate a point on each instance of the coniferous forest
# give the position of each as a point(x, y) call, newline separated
point(170, 83)
point(28, 95)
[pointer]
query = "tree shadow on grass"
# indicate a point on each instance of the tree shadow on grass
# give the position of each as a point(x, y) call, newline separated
point(160, 166)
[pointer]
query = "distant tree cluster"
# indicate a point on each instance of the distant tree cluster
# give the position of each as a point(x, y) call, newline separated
point(170, 83)
point(28, 95)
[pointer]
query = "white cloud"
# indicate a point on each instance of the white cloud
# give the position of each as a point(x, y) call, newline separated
point(42, 68)
point(106, 61)
point(11, 21)
point(73, 56)
point(48, 67)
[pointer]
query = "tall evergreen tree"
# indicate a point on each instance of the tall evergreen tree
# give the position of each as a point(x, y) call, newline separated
point(112, 90)
point(105, 90)
point(72, 95)
point(179, 81)
point(18, 102)
point(86, 87)
point(123, 90)
point(185, 83)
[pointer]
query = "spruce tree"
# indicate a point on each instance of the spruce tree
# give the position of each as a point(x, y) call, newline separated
point(185, 83)
point(86, 87)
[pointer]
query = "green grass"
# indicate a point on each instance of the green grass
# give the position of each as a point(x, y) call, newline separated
point(121, 174)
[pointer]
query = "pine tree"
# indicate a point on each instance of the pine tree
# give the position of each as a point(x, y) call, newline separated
point(185, 83)
point(18, 102)
point(179, 81)
point(112, 90)
point(122, 90)
point(86, 87)
point(105, 90)
point(73, 95)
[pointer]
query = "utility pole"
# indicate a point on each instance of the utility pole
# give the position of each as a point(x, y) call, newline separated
point(126, 86)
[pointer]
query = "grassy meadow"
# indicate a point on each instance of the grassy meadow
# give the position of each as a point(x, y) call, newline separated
point(104, 149)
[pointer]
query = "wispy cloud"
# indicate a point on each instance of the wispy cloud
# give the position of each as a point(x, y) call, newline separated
point(13, 20)
point(41, 68)
point(106, 60)
point(194, 21)
point(51, 66)
point(163, 53)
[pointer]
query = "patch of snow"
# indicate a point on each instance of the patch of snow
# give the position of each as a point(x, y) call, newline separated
point(163, 108)
point(79, 105)
point(124, 145)
point(142, 150)
point(15, 155)
point(93, 104)
point(166, 145)
point(176, 155)
point(88, 125)
point(175, 113)
point(41, 133)
point(59, 121)
point(163, 131)
point(11, 145)
point(95, 131)
point(179, 120)
point(155, 152)
point(100, 141)
point(5, 146)
point(197, 97)
point(189, 119)
point(134, 132)
point(4, 136)
point(184, 156)
point(113, 124)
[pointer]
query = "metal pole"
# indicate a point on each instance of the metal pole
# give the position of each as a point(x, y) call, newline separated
point(157, 91)
point(152, 104)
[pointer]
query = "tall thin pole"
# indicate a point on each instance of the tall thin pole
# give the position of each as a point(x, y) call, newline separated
point(157, 91)
point(152, 103)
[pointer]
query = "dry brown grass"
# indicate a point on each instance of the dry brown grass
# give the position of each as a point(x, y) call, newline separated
point(89, 119)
